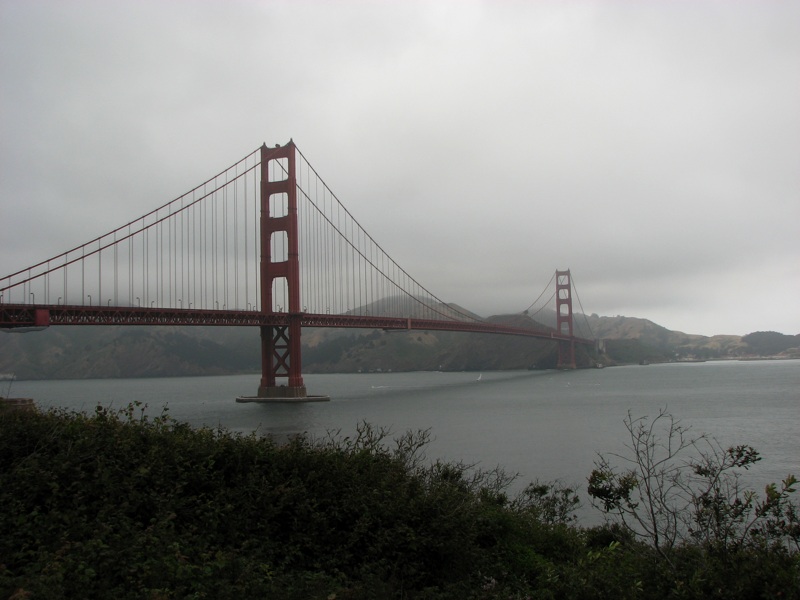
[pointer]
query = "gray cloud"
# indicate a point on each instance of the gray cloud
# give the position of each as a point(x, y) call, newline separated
point(650, 147)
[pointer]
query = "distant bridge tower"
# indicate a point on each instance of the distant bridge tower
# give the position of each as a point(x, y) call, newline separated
point(280, 344)
point(566, 350)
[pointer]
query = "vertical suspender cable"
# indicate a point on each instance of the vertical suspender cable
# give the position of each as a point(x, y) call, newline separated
point(170, 255)
point(116, 272)
point(99, 272)
point(147, 265)
point(246, 251)
point(236, 240)
point(181, 241)
point(193, 214)
point(327, 254)
point(256, 237)
point(160, 252)
point(225, 243)
point(214, 269)
point(200, 250)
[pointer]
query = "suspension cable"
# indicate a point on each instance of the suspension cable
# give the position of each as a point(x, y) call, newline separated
point(546, 287)
point(583, 312)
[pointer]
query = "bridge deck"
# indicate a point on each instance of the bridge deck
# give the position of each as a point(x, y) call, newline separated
point(38, 316)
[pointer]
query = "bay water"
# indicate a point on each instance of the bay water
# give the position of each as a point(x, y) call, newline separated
point(546, 425)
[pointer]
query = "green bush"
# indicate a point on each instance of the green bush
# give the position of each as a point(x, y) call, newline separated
point(114, 505)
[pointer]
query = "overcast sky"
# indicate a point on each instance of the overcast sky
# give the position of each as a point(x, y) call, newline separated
point(653, 148)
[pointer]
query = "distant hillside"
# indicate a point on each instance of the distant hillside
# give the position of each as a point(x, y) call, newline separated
point(771, 343)
point(659, 343)
point(102, 352)
point(372, 350)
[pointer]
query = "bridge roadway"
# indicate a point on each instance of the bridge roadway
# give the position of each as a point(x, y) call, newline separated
point(14, 316)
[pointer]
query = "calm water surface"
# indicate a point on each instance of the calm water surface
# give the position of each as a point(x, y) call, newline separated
point(540, 424)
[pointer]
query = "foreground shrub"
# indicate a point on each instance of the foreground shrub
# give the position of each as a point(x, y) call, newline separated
point(675, 488)
point(115, 505)
point(123, 506)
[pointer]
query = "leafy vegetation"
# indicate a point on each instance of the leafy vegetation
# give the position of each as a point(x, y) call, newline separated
point(770, 343)
point(116, 505)
point(678, 489)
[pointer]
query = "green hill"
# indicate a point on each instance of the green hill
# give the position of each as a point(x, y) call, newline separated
point(100, 352)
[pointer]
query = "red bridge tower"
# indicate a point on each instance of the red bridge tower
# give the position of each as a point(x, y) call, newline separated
point(566, 350)
point(280, 344)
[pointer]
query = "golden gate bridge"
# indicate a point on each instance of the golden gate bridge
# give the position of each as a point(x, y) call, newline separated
point(265, 243)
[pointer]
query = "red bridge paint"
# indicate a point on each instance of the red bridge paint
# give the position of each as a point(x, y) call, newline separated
point(157, 249)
